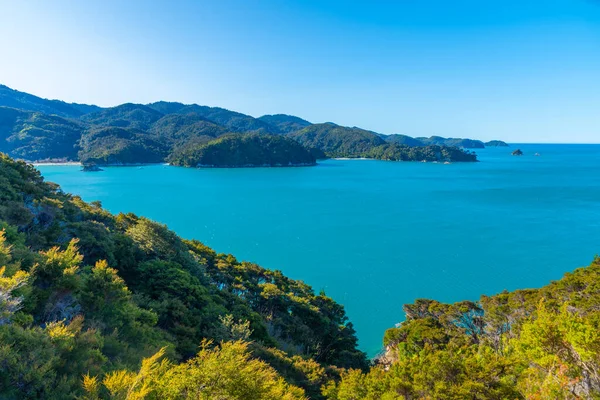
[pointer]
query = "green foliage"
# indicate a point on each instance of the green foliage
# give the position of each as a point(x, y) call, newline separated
point(224, 372)
point(86, 293)
point(36, 136)
point(192, 135)
point(115, 145)
point(231, 120)
point(135, 116)
point(249, 150)
point(180, 130)
point(285, 123)
point(533, 344)
point(339, 141)
point(395, 152)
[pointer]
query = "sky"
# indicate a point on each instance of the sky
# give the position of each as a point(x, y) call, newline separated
point(520, 71)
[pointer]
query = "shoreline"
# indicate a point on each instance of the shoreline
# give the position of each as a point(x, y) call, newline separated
point(70, 163)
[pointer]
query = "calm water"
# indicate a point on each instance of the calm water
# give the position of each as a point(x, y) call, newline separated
point(375, 235)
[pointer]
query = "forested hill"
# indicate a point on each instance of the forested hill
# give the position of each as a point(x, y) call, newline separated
point(36, 129)
point(87, 293)
point(247, 150)
point(341, 141)
point(28, 102)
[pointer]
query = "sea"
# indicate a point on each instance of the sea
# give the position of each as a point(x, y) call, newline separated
point(375, 235)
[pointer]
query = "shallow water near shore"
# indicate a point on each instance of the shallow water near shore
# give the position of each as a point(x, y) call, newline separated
point(374, 234)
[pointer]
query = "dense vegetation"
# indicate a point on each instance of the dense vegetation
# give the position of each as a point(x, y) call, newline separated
point(37, 136)
point(394, 152)
point(25, 101)
point(244, 150)
point(112, 145)
point(100, 306)
point(285, 123)
point(402, 139)
point(340, 141)
point(233, 121)
point(527, 344)
point(129, 115)
point(38, 129)
point(84, 293)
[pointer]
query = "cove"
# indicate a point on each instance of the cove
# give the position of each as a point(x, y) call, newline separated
point(373, 234)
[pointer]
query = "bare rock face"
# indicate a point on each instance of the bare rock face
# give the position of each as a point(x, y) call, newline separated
point(517, 152)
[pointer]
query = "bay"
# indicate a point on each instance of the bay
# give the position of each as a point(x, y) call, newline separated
point(375, 235)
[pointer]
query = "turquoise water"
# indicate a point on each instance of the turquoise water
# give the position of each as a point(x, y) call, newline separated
point(373, 234)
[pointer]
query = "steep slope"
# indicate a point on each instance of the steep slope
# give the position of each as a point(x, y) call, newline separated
point(136, 116)
point(177, 129)
point(36, 136)
point(112, 145)
point(245, 150)
point(88, 293)
point(285, 123)
point(28, 102)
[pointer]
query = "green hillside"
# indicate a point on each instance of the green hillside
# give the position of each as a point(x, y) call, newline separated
point(285, 123)
point(86, 293)
point(85, 296)
point(340, 141)
point(337, 141)
point(37, 136)
point(247, 150)
point(117, 146)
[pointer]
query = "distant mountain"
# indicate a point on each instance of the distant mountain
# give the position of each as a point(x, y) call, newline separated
point(285, 123)
point(40, 129)
point(337, 141)
point(136, 116)
point(36, 136)
point(245, 150)
point(28, 102)
point(402, 139)
point(496, 143)
point(233, 121)
point(166, 107)
point(464, 143)
point(181, 128)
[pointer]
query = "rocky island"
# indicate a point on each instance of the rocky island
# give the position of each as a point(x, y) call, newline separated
point(90, 168)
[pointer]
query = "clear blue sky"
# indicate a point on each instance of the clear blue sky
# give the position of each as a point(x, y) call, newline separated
point(522, 71)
